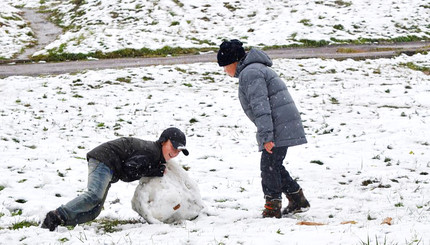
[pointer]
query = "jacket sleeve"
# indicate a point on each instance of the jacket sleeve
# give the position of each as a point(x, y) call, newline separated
point(140, 166)
point(135, 166)
point(258, 97)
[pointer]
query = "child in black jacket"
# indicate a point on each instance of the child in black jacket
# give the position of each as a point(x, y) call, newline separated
point(125, 159)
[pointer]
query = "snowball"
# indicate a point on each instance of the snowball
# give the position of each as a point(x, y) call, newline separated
point(171, 198)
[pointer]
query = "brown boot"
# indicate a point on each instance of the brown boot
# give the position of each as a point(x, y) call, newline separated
point(297, 203)
point(272, 208)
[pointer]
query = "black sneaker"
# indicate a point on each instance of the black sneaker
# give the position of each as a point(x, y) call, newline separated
point(272, 208)
point(52, 220)
point(297, 203)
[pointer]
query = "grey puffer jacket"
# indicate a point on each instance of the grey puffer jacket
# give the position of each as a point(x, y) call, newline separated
point(266, 101)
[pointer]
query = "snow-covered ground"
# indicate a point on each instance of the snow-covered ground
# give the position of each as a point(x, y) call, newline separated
point(367, 123)
point(367, 158)
point(15, 34)
point(106, 25)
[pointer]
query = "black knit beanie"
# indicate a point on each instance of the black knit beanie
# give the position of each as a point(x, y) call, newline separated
point(230, 52)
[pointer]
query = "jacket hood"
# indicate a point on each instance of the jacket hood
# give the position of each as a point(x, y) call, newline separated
point(253, 56)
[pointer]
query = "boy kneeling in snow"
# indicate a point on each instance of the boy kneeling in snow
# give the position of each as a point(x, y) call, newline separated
point(125, 159)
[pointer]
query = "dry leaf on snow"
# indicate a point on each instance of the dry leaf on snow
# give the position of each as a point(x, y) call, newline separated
point(349, 222)
point(387, 221)
point(309, 223)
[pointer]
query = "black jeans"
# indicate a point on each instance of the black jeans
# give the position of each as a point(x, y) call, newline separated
point(275, 179)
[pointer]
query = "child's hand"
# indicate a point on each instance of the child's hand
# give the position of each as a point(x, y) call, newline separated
point(157, 171)
point(268, 146)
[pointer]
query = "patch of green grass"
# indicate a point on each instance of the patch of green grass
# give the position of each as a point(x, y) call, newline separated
point(199, 41)
point(60, 174)
point(55, 55)
point(230, 7)
point(342, 3)
point(210, 79)
point(1, 187)
point(124, 79)
point(110, 225)
point(317, 162)
point(63, 240)
point(178, 3)
point(306, 22)
point(16, 212)
point(338, 27)
point(13, 17)
point(23, 224)
point(180, 70)
point(145, 78)
point(334, 101)
point(21, 201)
point(416, 67)
point(370, 217)
point(174, 23)
point(398, 205)
point(394, 107)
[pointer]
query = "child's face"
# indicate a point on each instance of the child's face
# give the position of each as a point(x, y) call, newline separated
point(230, 69)
point(168, 150)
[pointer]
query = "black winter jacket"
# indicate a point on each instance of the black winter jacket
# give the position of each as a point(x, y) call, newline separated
point(130, 158)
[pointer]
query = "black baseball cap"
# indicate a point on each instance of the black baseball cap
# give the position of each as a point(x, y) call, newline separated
point(177, 137)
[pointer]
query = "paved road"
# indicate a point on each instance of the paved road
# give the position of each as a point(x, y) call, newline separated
point(371, 51)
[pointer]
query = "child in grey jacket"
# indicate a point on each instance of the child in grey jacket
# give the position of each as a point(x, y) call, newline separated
point(268, 104)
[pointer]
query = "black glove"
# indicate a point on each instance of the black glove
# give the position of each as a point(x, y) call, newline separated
point(156, 171)
point(141, 166)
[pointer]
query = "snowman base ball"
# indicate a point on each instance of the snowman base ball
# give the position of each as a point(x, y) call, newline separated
point(168, 199)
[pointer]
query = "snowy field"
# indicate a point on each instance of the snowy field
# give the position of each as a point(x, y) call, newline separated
point(367, 158)
point(102, 25)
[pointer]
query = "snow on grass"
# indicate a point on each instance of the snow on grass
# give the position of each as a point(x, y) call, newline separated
point(15, 34)
point(367, 158)
point(107, 26)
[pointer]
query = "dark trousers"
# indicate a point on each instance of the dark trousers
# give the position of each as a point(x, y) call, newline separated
point(275, 179)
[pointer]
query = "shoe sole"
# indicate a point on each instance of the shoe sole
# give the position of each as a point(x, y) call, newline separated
point(301, 210)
